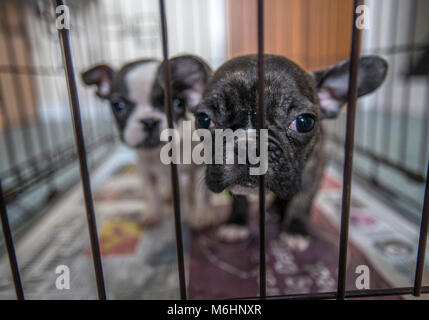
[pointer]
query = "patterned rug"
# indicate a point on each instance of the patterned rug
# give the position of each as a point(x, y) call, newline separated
point(219, 270)
point(381, 241)
point(140, 263)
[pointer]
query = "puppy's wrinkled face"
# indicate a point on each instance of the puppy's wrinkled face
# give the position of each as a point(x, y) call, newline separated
point(295, 103)
point(230, 102)
point(136, 95)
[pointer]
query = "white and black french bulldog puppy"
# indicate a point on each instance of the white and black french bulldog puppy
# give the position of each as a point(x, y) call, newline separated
point(136, 97)
point(297, 103)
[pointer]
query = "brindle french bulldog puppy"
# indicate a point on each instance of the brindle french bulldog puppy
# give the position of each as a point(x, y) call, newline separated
point(296, 103)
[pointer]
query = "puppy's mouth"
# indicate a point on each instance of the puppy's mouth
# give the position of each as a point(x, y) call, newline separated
point(150, 142)
point(244, 188)
point(150, 145)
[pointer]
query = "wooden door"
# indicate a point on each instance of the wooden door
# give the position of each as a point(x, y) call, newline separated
point(313, 33)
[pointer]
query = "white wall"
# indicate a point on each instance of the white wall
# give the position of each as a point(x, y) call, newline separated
point(116, 32)
point(198, 27)
point(194, 26)
point(382, 22)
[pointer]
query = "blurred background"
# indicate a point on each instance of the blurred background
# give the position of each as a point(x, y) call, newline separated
point(38, 160)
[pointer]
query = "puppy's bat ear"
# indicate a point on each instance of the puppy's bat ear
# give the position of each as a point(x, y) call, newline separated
point(189, 76)
point(332, 84)
point(101, 76)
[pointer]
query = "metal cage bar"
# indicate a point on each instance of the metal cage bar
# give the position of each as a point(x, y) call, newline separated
point(341, 293)
point(349, 294)
point(21, 106)
point(7, 234)
point(174, 176)
point(261, 125)
point(372, 121)
point(44, 134)
point(8, 141)
point(422, 241)
point(425, 129)
point(65, 44)
point(405, 105)
point(348, 154)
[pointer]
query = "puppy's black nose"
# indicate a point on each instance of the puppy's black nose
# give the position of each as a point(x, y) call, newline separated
point(149, 123)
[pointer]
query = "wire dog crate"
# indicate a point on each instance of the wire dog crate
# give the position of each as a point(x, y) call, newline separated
point(83, 142)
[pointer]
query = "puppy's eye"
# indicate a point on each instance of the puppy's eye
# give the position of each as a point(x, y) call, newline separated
point(204, 121)
point(119, 107)
point(179, 103)
point(304, 123)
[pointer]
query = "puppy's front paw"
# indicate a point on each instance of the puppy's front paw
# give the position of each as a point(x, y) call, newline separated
point(232, 233)
point(295, 242)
